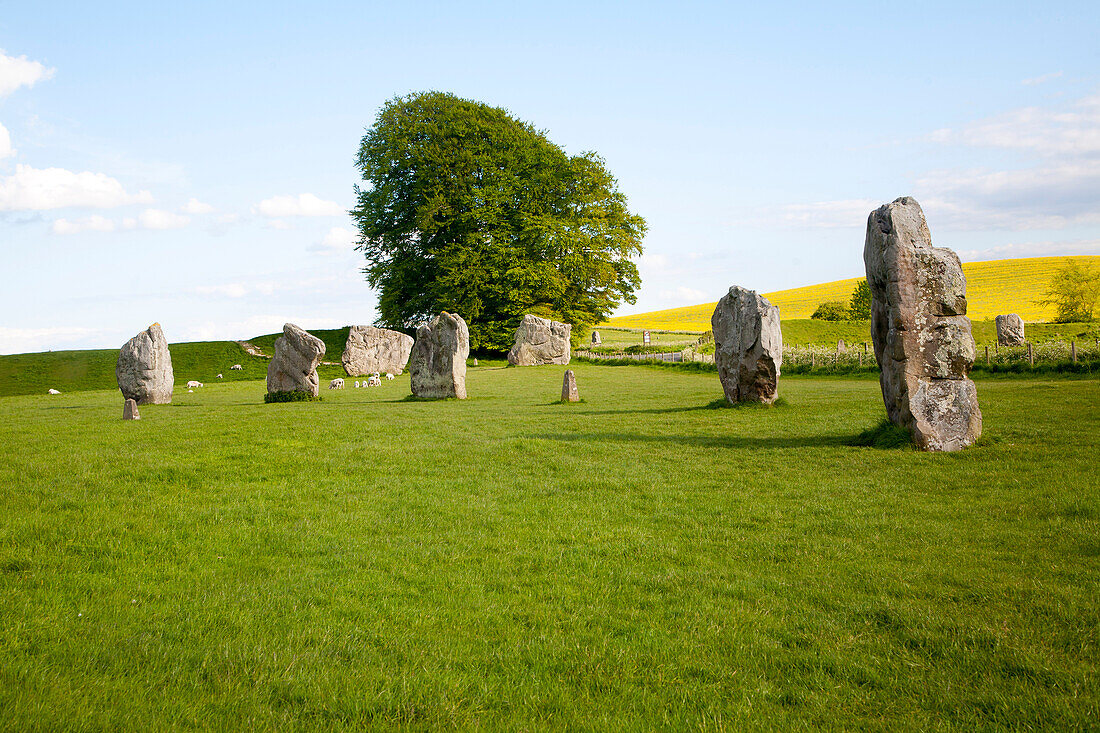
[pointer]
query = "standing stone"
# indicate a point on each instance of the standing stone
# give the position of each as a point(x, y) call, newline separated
point(437, 367)
point(922, 338)
point(371, 350)
point(144, 368)
point(1010, 330)
point(748, 346)
point(475, 361)
point(569, 388)
point(540, 341)
point(596, 338)
point(841, 347)
point(294, 366)
point(130, 410)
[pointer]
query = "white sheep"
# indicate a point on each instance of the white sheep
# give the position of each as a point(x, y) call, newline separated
point(337, 383)
point(237, 367)
point(389, 376)
point(54, 391)
point(374, 381)
point(357, 384)
point(193, 384)
point(219, 376)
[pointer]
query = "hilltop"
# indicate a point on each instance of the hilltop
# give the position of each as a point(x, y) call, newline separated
point(993, 287)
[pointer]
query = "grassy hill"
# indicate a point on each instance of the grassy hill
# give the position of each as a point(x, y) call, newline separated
point(992, 288)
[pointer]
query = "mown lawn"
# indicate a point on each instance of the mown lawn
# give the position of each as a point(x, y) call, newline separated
point(637, 561)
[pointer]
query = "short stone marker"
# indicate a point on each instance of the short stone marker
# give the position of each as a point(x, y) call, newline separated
point(596, 338)
point(841, 347)
point(437, 367)
point(130, 410)
point(748, 346)
point(922, 337)
point(1010, 330)
point(475, 361)
point(569, 387)
point(645, 338)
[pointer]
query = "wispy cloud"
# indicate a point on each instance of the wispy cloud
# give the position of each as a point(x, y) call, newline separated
point(194, 206)
point(1041, 79)
point(94, 223)
point(6, 150)
point(40, 189)
point(1032, 249)
point(305, 204)
point(23, 340)
point(18, 72)
point(338, 240)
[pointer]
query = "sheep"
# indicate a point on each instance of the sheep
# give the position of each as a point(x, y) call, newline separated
point(219, 376)
point(374, 381)
point(237, 367)
point(389, 376)
point(357, 384)
point(193, 384)
point(337, 383)
point(54, 391)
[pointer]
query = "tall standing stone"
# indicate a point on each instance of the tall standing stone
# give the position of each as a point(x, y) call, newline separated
point(294, 366)
point(144, 368)
point(437, 367)
point(748, 346)
point(1010, 330)
point(596, 338)
point(371, 350)
point(569, 387)
point(540, 341)
point(920, 331)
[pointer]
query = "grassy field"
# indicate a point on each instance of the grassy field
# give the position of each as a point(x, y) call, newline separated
point(993, 288)
point(637, 561)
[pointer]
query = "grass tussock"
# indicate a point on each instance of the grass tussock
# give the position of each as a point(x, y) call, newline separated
point(296, 395)
point(886, 435)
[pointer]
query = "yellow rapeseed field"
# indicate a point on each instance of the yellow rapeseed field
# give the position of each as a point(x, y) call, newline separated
point(992, 288)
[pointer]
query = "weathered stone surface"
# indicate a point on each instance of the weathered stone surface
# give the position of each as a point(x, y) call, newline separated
point(922, 338)
point(1010, 330)
point(294, 366)
point(748, 346)
point(130, 410)
point(540, 341)
point(569, 387)
point(841, 347)
point(437, 367)
point(596, 338)
point(144, 368)
point(371, 350)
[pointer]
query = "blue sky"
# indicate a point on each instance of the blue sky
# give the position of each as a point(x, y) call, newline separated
point(192, 165)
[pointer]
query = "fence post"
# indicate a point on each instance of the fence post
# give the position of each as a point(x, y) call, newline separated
point(1073, 350)
point(861, 358)
point(987, 356)
point(813, 360)
point(1030, 354)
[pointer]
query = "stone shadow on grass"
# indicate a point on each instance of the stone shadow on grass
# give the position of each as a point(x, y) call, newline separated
point(704, 441)
point(719, 404)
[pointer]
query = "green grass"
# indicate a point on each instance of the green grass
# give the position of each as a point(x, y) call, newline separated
point(638, 561)
point(335, 339)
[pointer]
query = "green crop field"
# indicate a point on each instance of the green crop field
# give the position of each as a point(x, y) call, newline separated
point(992, 288)
point(641, 560)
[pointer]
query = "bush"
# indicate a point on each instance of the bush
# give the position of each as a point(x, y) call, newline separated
point(832, 311)
point(294, 396)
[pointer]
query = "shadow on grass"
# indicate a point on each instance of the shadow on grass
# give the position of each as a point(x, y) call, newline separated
point(703, 441)
point(885, 436)
point(719, 404)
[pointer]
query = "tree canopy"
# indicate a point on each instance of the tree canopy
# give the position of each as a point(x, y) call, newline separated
point(859, 306)
point(1074, 290)
point(469, 210)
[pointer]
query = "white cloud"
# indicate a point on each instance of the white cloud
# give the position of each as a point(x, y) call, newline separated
point(279, 224)
point(194, 206)
point(160, 219)
point(39, 189)
point(18, 72)
point(24, 340)
point(338, 239)
point(684, 296)
point(1032, 249)
point(1048, 132)
point(826, 214)
point(94, 223)
point(305, 204)
point(1041, 79)
point(229, 290)
point(6, 150)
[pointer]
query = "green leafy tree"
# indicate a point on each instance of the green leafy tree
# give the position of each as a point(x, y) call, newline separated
point(860, 304)
point(467, 209)
point(834, 310)
point(1073, 291)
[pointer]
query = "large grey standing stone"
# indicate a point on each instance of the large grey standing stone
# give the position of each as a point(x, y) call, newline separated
point(144, 368)
point(371, 350)
point(920, 331)
point(294, 366)
point(569, 387)
point(748, 346)
point(540, 341)
point(437, 367)
point(596, 338)
point(1010, 330)
point(130, 410)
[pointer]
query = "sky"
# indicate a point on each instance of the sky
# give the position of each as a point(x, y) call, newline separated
point(193, 163)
